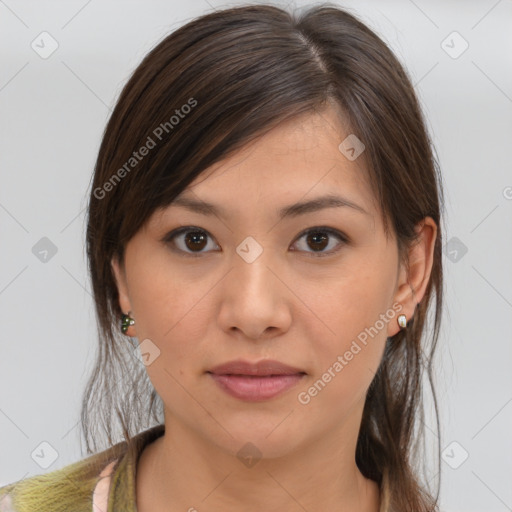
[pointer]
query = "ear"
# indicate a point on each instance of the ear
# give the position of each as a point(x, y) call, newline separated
point(413, 281)
point(122, 287)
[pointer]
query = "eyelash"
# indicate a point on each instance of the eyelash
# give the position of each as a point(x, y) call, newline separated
point(167, 239)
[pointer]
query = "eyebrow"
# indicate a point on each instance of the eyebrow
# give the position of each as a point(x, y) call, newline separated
point(293, 210)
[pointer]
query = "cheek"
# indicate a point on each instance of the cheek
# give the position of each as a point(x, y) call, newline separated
point(345, 367)
point(172, 309)
point(354, 301)
point(156, 291)
point(350, 340)
point(167, 317)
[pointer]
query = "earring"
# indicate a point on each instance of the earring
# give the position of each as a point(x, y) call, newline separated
point(126, 321)
point(402, 321)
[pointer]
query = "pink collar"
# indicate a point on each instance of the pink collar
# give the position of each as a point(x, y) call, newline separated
point(102, 488)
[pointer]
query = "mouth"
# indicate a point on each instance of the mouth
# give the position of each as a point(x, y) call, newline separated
point(255, 381)
point(266, 367)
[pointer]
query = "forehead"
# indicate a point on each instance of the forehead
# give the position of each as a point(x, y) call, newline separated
point(300, 158)
point(273, 176)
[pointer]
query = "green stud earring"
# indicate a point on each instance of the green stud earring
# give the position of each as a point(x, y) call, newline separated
point(126, 321)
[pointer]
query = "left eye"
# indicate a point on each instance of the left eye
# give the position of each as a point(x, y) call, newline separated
point(319, 239)
point(196, 239)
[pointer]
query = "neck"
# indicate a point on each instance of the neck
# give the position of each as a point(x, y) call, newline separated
point(182, 471)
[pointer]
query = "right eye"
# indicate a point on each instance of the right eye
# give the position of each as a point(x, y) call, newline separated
point(191, 244)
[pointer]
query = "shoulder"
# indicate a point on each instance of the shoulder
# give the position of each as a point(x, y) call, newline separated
point(84, 485)
point(63, 490)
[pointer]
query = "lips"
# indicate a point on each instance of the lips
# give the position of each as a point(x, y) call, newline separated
point(266, 367)
point(255, 382)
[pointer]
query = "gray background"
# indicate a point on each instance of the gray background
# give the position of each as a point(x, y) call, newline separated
point(53, 112)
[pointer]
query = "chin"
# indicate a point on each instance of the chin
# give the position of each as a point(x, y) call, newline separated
point(261, 436)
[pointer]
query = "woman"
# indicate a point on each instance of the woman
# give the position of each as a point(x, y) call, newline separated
point(264, 224)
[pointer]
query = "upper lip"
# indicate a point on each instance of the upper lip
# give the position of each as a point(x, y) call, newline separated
point(265, 367)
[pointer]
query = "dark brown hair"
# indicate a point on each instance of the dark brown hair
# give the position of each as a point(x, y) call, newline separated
point(202, 93)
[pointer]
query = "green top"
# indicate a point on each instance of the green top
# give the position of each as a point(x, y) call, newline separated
point(70, 489)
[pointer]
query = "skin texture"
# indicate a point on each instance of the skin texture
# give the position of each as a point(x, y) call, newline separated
point(289, 304)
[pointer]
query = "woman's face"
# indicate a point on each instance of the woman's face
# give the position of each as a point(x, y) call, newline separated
point(247, 283)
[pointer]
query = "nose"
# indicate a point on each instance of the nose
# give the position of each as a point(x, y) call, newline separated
point(255, 299)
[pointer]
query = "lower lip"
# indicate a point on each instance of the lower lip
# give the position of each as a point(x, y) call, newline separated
point(255, 388)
